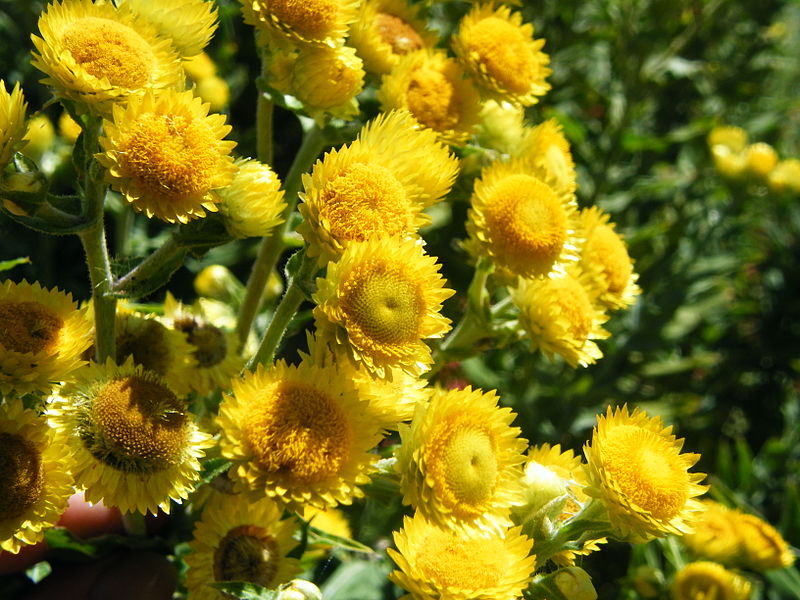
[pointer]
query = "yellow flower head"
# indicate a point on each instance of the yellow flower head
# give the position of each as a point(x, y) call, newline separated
point(785, 177)
point(763, 548)
point(43, 336)
point(68, 128)
point(40, 136)
point(35, 482)
point(501, 127)
point(635, 467)
point(166, 155)
point(12, 122)
point(190, 24)
point(607, 267)
point(237, 539)
point(97, 54)
point(729, 136)
point(558, 316)
point(522, 221)
point(459, 461)
point(709, 581)
point(253, 203)
point(315, 22)
point(199, 67)
point(375, 187)
point(300, 435)
point(215, 91)
point(382, 299)
point(546, 146)
point(760, 159)
point(438, 563)
point(133, 440)
point(327, 81)
point(432, 87)
point(716, 534)
point(499, 52)
point(385, 31)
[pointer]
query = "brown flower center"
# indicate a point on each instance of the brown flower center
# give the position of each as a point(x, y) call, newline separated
point(20, 476)
point(29, 327)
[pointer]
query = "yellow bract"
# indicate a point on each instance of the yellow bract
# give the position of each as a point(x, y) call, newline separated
point(253, 203)
point(12, 122)
point(315, 22)
point(327, 81)
point(190, 24)
point(706, 580)
point(547, 148)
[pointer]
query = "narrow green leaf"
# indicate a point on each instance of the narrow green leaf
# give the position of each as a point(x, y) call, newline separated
point(245, 590)
point(10, 264)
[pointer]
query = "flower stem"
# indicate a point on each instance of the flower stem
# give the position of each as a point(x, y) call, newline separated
point(152, 266)
point(590, 523)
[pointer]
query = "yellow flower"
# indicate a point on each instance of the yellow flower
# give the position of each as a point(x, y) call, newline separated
point(253, 203)
point(375, 187)
point(199, 67)
point(44, 335)
point(522, 221)
point(559, 318)
point(213, 90)
point(501, 127)
point(96, 54)
point(716, 534)
point(382, 299)
point(35, 482)
point(436, 563)
point(12, 122)
point(237, 539)
point(315, 22)
point(68, 128)
point(432, 87)
point(39, 138)
point(327, 81)
point(733, 138)
point(300, 435)
point(499, 52)
point(132, 438)
point(459, 461)
point(709, 581)
point(785, 177)
point(635, 467)
point(546, 146)
point(190, 24)
point(760, 159)
point(385, 31)
point(763, 548)
point(166, 155)
point(607, 267)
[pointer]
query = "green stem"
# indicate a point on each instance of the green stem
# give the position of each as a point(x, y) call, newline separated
point(151, 266)
point(264, 114)
point(589, 523)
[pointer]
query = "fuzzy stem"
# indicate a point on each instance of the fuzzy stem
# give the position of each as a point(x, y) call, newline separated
point(150, 266)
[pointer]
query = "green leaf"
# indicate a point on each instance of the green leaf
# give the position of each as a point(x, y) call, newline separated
point(59, 538)
point(10, 264)
point(357, 580)
point(213, 468)
point(323, 537)
point(245, 590)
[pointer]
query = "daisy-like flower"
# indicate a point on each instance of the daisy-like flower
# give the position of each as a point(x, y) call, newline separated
point(375, 187)
point(44, 334)
point(636, 469)
point(190, 24)
point(97, 54)
point(705, 580)
point(432, 87)
point(607, 267)
point(546, 146)
point(785, 177)
point(385, 31)
point(300, 435)
point(253, 203)
point(382, 299)
point(166, 155)
point(12, 122)
point(35, 482)
point(499, 52)
point(459, 461)
point(716, 534)
point(133, 441)
point(213, 348)
point(759, 159)
point(522, 221)
point(558, 317)
point(438, 563)
point(763, 547)
point(315, 22)
point(237, 539)
point(501, 127)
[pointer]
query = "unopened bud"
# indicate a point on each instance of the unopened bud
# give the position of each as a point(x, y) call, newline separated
point(299, 589)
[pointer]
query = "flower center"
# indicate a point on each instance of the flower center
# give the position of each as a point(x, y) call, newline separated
point(365, 201)
point(170, 156)
point(20, 476)
point(646, 469)
point(137, 426)
point(298, 431)
point(29, 327)
point(401, 36)
point(574, 304)
point(145, 341)
point(110, 50)
point(209, 341)
point(247, 553)
point(309, 19)
point(504, 54)
point(613, 256)
point(433, 100)
point(451, 561)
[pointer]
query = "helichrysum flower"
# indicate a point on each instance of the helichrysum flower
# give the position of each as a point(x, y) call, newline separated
point(315, 22)
point(607, 267)
point(97, 54)
point(199, 67)
point(375, 187)
point(518, 218)
point(43, 336)
point(190, 24)
point(705, 580)
point(327, 81)
point(166, 155)
point(558, 317)
point(133, 441)
point(12, 122)
point(733, 138)
point(237, 539)
point(785, 177)
point(763, 547)
point(636, 469)
point(432, 87)
point(253, 203)
point(501, 127)
point(459, 461)
point(386, 30)
point(760, 159)
point(68, 128)
point(499, 52)
point(716, 534)
point(40, 136)
point(439, 563)
point(300, 435)
point(546, 146)
point(382, 299)
point(35, 480)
